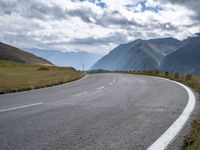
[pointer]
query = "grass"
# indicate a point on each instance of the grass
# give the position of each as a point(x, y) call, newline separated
point(16, 77)
point(192, 140)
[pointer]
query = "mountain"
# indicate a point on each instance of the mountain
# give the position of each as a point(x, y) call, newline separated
point(186, 59)
point(73, 59)
point(138, 55)
point(11, 53)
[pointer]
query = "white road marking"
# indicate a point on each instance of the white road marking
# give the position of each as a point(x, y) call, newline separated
point(169, 135)
point(19, 107)
point(81, 94)
point(100, 88)
point(110, 83)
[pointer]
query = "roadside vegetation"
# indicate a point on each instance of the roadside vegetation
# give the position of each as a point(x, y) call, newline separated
point(192, 140)
point(16, 77)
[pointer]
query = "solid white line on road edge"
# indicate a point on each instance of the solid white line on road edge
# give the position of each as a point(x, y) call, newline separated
point(169, 135)
point(81, 94)
point(102, 87)
point(19, 107)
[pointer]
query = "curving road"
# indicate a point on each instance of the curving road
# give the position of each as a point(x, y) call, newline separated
point(98, 112)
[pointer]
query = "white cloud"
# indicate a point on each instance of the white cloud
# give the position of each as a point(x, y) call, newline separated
point(67, 25)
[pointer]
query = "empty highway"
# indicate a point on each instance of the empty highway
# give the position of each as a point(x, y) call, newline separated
point(98, 112)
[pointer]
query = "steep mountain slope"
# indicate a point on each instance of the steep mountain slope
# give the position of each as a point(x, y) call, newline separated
point(74, 59)
point(186, 59)
point(164, 45)
point(138, 55)
point(11, 53)
point(189, 40)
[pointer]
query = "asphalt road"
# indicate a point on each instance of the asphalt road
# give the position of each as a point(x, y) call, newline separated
point(98, 112)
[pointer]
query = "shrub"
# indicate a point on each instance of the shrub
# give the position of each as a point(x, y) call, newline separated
point(150, 72)
point(176, 75)
point(43, 68)
point(188, 77)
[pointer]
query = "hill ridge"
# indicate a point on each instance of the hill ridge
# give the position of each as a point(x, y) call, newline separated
point(11, 53)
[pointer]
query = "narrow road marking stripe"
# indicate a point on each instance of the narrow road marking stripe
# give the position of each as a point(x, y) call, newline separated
point(19, 107)
point(110, 83)
point(102, 87)
point(169, 135)
point(81, 93)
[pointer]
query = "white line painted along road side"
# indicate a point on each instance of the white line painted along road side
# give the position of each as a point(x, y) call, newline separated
point(20, 107)
point(110, 83)
point(169, 135)
point(81, 94)
point(100, 88)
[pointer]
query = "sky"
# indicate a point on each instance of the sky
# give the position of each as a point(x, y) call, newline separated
point(95, 26)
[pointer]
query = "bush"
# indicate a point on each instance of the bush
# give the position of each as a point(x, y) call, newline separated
point(43, 68)
point(176, 75)
point(188, 77)
point(157, 72)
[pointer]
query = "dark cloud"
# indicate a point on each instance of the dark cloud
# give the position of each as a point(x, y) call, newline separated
point(36, 9)
point(32, 9)
point(198, 34)
point(39, 10)
point(116, 38)
point(7, 7)
point(106, 19)
point(37, 23)
point(190, 4)
point(168, 26)
point(116, 18)
point(84, 14)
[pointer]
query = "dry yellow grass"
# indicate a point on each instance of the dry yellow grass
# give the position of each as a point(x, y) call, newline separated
point(192, 141)
point(19, 77)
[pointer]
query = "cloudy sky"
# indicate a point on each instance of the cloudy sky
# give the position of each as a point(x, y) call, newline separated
point(94, 25)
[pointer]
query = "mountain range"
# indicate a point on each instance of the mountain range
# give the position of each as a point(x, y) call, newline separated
point(11, 53)
point(186, 59)
point(138, 55)
point(65, 59)
point(166, 54)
